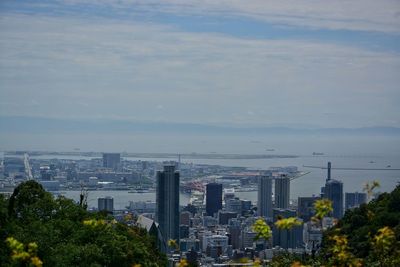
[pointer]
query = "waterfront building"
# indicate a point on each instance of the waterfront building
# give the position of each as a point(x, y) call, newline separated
point(142, 206)
point(354, 200)
point(265, 196)
point(167, 202)
point(305, 207)
point(213, 198)
point(333, 191)
point(105, 204)
point(112, 160)
point(282, 192)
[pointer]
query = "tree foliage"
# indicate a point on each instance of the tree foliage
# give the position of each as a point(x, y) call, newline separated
point(65, 234)
point(365, 236)
point(287, 223)
point(372, 230)
point(262, 229)
point(322, 208)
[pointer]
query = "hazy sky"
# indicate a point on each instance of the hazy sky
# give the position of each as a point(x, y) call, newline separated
point(310, 63)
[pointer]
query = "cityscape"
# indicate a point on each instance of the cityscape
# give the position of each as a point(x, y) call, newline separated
point(198, 206)
point(188, 133)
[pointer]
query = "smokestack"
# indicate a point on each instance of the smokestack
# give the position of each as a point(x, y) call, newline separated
point(329, 171)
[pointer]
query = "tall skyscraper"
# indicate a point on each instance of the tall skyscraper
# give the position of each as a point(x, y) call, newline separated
point(213, 198)
point(264, 204)
point(354, 200)
point(333, 191)
point(329, 171)
point(167, 203)
point(282, 192)
point(111, 160)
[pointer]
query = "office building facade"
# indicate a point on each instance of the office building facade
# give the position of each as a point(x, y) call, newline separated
point(167, 202)
point(264, 204)
point(282, 192)
point(334, 192)
point(213, 198)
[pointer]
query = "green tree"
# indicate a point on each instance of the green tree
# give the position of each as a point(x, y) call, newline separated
point(262, 229)
point(67, 235)
point(287, 223)
point(322, 208)
point(364, 226)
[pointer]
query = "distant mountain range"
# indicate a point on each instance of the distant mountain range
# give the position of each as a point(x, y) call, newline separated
point(10, 124)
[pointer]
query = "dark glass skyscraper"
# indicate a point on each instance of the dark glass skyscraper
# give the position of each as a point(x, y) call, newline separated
point(213, 198)
point(282, 192)
point(264, 204)
point(334, 192)
point(167, 202)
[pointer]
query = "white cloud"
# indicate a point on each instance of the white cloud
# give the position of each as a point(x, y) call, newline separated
point(364, 15)
point(124, 70)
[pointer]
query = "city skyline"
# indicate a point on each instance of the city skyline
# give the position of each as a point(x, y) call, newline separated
point(199, 133)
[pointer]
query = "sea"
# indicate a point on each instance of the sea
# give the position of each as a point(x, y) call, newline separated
point(372, 152)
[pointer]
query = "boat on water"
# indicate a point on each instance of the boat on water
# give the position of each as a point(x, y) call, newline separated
point(317, 154)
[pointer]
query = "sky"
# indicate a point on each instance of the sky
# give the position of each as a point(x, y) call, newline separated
point(242, 63)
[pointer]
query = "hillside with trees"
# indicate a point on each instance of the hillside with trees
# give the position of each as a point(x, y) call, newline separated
point(37, 229)
point(365, 236)
point(372, 232)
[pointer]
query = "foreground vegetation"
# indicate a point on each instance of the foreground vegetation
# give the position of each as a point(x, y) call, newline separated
point(37, 229)
point(365, 236)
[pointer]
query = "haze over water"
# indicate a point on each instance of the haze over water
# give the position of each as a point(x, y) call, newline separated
point(342, 151)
